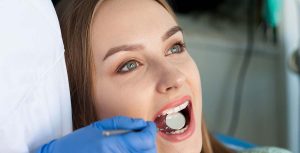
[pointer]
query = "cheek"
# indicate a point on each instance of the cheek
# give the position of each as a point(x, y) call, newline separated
point(196, 85)
point(115, 99)
point(193, 81)
point(192, 74)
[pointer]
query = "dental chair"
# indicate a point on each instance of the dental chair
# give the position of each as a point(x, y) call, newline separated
point(233, 143)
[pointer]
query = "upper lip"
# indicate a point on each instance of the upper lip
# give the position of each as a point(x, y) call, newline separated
point(172, 104)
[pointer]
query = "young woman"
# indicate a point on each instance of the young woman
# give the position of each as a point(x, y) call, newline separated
point(128, 58)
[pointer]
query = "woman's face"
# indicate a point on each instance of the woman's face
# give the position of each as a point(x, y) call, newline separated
point(143, 70)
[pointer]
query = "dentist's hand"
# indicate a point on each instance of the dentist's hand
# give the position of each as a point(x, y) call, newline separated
point(90, 140)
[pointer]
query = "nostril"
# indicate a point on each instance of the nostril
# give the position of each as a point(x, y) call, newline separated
point(170, 81)
point(169, 88)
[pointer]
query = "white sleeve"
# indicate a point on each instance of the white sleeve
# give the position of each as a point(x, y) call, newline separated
point(34, 93)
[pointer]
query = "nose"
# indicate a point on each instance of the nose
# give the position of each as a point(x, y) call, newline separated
point(170, 79)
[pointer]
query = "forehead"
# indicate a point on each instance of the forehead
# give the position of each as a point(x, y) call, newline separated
point(118, 22)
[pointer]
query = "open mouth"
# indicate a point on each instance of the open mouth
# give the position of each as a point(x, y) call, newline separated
point(175, 122)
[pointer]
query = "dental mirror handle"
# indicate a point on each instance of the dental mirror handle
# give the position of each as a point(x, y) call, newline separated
point(115, 132)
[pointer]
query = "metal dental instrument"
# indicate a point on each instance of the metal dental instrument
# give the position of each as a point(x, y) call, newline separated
point(115, 132)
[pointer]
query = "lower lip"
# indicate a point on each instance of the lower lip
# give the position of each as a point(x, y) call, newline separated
point(186, 134)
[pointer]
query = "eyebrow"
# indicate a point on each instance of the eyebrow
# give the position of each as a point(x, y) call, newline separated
point(134, 47)
point(171, 32)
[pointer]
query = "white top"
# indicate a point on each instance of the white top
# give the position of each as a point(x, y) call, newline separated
point(34, 93)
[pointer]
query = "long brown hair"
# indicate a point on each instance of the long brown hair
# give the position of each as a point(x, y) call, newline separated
point(75, 18)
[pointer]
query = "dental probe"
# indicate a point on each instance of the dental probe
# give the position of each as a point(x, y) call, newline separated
point(115, 132)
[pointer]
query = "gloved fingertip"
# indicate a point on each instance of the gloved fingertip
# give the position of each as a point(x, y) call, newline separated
point(152, 126)
point(137, 123)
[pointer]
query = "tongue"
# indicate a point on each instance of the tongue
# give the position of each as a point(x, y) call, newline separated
point(169, 123)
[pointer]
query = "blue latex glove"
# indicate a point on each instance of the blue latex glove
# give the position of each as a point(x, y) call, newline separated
point(90, 140)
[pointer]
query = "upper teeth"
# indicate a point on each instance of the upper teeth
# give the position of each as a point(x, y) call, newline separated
point(176, 109)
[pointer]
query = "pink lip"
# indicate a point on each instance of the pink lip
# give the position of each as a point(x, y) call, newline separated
point(189, 132)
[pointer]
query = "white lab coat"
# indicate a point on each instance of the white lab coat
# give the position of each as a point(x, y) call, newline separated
point(34, 92)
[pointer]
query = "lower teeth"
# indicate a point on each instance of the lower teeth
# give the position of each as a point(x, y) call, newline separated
point(178, 131)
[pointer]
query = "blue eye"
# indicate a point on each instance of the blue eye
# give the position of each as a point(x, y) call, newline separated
point(128, 66)
point(176, 48)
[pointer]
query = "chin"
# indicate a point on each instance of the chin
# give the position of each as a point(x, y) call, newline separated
point(193, 144)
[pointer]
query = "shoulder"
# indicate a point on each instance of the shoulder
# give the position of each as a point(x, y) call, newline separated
point(265, 150)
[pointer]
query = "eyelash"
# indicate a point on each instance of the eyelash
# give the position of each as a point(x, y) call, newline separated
point(182, 48)
point(119, 69)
